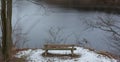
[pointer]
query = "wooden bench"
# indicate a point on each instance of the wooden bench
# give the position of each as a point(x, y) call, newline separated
point(58, 47)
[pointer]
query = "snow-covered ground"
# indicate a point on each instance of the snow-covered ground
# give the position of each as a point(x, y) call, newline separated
point(86, 56)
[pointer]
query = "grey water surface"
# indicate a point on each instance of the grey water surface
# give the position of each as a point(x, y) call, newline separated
point(36, 20)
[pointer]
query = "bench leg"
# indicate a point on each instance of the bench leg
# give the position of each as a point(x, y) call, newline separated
point(72, 52)
point(46, 51)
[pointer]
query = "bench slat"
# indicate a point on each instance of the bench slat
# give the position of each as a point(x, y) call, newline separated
point(59, 48)
point(58, 45)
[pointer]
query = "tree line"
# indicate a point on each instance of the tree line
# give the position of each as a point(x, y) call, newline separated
point(99, 5)
point(86, 2)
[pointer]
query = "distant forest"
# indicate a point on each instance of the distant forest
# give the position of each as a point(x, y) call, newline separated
point(101, 5)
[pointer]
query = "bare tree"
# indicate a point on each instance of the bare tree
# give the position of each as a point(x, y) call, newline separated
point(6, 17)
point(56, 35)
point(19, 37)
point(109, 25)
point(81, 42)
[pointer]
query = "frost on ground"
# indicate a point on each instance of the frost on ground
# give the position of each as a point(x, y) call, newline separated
point(85, 56)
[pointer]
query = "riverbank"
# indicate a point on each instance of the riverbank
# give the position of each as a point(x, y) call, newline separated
point(87, 6)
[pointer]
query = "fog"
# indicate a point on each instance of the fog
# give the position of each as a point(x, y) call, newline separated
point(36, 20)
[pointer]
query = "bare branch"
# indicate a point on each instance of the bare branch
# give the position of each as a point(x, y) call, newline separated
point(108, 24)
point(56, 35)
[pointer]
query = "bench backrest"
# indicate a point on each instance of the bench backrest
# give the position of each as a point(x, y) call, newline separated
point(58, 45)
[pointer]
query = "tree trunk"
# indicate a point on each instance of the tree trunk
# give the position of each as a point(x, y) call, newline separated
point(6, 17)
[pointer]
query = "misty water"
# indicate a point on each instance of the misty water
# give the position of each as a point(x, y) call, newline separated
point(36, 20)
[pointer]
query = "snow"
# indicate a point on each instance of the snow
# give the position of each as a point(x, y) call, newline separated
point(85, 56)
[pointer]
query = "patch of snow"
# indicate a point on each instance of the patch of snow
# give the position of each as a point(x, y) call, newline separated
point(86, 56)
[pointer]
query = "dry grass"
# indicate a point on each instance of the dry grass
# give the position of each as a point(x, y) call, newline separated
point(110, 55)
point(104, 53)
point(61, 56)
point(18, 59)
point(14, 59)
